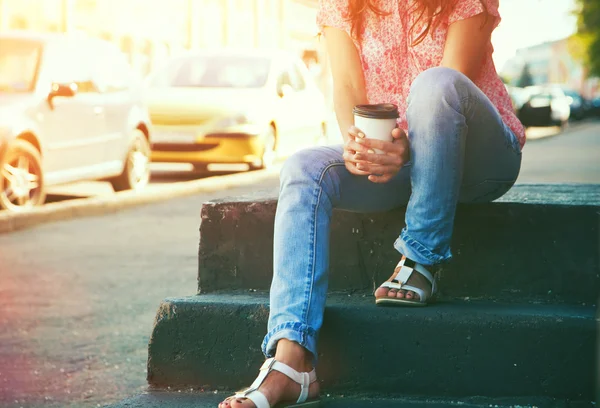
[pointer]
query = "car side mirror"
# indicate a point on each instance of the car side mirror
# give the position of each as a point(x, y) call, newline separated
point(61, 90)
point(285, 90)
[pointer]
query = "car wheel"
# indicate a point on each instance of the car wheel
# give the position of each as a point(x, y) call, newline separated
point(21, 178)
point(136, 169)
point(269, 150)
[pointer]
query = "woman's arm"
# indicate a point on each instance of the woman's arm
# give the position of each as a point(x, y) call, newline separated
point(348, 79)
point(467, 43)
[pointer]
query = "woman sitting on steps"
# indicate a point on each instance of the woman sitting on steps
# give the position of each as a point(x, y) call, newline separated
point(457, 140)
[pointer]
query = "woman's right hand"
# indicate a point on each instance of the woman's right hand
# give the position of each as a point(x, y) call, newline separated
point(350, 150)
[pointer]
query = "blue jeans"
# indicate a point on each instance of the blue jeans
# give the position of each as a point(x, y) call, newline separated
point(460, 150)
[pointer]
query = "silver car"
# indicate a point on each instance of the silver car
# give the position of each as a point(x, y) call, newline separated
point(70, 109)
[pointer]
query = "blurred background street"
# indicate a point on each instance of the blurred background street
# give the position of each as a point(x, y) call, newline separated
point(551, 155)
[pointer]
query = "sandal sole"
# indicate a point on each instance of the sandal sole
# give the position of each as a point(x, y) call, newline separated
point(307, 404)
point(399, 302)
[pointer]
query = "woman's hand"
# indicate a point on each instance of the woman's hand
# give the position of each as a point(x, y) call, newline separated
point(351, 148)
point(381, 167)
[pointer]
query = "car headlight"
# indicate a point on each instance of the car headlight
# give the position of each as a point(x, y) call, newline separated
point(231, 121)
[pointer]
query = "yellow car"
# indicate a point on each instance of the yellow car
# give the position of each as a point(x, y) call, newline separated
point(233, 107)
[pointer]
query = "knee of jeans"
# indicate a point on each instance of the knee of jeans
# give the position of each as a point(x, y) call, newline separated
point(436, 87)
point(300, 166)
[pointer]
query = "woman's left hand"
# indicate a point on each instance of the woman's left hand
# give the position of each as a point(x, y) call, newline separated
point(383, 167)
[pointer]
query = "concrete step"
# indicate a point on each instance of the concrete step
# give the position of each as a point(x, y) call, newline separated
point(450, 349)
point(538, 243)
point(190, 399)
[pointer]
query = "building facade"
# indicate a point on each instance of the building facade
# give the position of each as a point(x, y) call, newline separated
point(551, 62)
point(149, 30)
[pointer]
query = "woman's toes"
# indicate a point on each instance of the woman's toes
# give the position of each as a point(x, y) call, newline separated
point(392, 293)
point(401, 294)
point(381, 292)
point(410, 295)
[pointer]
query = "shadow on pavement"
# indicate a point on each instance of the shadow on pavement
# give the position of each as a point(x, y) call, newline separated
point(175, 176)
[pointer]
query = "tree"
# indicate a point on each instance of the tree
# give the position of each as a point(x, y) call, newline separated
point(587, 38)
point(525, 79)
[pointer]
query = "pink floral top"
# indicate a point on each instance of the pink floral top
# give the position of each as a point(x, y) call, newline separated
point(390, 64)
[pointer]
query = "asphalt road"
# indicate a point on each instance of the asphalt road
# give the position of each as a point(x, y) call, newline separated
point(78, 298)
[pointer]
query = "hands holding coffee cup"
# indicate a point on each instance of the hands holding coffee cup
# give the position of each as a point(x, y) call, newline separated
point(375, 147)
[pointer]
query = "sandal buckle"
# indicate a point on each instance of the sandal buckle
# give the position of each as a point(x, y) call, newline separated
point(268, 364)
point(243, 392)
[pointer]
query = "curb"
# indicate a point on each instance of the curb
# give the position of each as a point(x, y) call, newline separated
point(92, 206)
point(541, 133)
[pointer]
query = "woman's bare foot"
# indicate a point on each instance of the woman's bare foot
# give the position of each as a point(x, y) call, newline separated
point(416, 279)
point(277, 387)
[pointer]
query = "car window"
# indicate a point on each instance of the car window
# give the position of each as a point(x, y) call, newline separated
point(284, 79)
point(111, 70)
point(214, 72)
point(19, 60)
point(540, 100)
point(298, 82)
point(69, 63)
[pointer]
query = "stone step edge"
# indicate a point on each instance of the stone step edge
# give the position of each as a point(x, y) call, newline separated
point(191, 398)
point(501, 250)
point(523, 342)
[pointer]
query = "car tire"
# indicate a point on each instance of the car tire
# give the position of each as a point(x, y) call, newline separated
point(136, 169)
point(269, 153)
point(21, 168)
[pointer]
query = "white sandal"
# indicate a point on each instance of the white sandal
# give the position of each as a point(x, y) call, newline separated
point(398, 280)
point(304, 379)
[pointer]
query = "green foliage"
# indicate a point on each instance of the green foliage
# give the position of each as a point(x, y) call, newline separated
point(586, 43)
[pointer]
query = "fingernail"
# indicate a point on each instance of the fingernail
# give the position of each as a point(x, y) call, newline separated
point(361, 135)
point(371, 151)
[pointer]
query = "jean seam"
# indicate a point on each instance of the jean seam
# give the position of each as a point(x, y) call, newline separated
point(302, 329)
point(311, 280)
point(416, 245)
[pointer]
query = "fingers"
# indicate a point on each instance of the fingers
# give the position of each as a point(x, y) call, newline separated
point(387, 147)
point(398, 133)
point(382, 159)
point(355, 133)
point(354, 170)
point(356, 147)
point(376, 169)
point(380, 179)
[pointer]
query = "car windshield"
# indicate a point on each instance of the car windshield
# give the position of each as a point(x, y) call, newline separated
point(214, 72)
point(19, 60)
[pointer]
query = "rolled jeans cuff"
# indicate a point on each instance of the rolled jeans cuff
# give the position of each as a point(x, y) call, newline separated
point(293, 331)
point(417, 252)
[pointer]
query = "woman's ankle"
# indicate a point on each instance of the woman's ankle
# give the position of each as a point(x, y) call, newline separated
point(294, 355)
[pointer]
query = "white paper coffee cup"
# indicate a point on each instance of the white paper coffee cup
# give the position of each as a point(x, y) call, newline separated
point(376, 121)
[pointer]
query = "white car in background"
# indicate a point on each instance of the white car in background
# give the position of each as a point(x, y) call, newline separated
point(70, 110)
point(234, 107)
point(547, 105)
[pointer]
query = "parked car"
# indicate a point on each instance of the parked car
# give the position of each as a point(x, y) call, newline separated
point(580, 107)
point(595, 106)
point(546, 106)
point(233, 107)
point(70, 110)
point(518, 97)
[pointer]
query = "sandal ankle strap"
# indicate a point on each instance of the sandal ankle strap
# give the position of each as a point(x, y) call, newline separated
point(304, 379)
